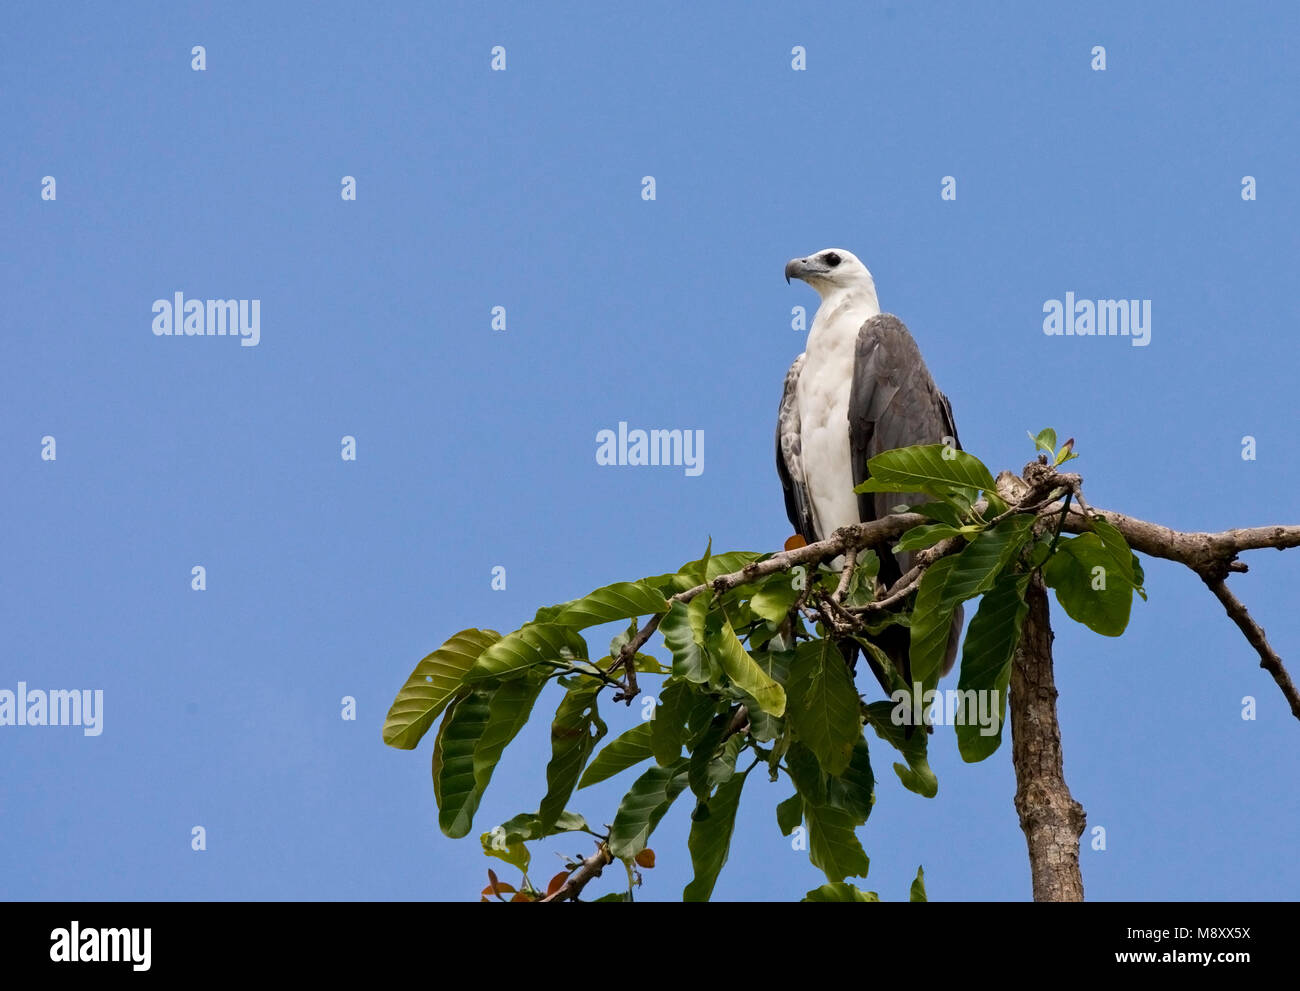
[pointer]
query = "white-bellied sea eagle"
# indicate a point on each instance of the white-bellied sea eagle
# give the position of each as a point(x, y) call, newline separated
point(860, 388)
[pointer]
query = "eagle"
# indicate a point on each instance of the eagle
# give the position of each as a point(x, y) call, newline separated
point(860, 388)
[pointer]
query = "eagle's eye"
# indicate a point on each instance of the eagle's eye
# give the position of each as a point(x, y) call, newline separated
point(831, 259)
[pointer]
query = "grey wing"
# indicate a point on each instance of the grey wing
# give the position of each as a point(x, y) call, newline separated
point(893, 403)
point(789, 456)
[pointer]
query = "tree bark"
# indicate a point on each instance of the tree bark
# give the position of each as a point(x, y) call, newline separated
point(1050, 817)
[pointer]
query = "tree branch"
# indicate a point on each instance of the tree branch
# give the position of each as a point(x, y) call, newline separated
point(591, 868)
point(877, 533)
point(1213, 556)
point(1204, 553)
point(1269, 660)
point(846, 574)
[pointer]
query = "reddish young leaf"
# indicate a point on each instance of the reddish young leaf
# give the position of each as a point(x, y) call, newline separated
point(521, 896)
point(646, 858)
point(795, 542)
point(557, 882)
point(495, 887)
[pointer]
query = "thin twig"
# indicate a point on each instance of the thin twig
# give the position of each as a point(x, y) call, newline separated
point(1268, 658)
point(846, 575)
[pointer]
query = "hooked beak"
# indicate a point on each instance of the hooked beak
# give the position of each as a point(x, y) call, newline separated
point(802, 268)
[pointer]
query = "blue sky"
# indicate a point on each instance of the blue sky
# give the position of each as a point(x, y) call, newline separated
point(476, 448)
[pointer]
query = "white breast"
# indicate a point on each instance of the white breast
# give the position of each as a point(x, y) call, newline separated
point(824, 386)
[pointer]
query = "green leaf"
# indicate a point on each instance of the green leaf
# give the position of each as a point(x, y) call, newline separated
point(789, 814)
point(667, 722)
point(728, 563)
point(508, 711)
point(683, 630)
point(952, 580)
point(941, 511)
point(1045, 441)
point(722, 766)
point(576, 729)
point(913, 469)
point(776, 664)
point(775, 598)
point(841, 891)
point(862, 585)
point(431, 686)
point(763, 726)
point(650, 796)
point(455, 787)
point(710, 567)
point(704, 749)
point(823, 704)
point(1083, 574)
point(995, 503)
point(514, 854)
point(507, 840)
point(528, 826)
point(854, 790)
point(1039, 553)
point(741, 669)
point(986, 664)
point(808, 777)
point(710, 839)
point(917, 894)
point(667, 733)
point(833, 844)
point(626, 750)
point(1123, 561)
point(622, 600)
point(916, 775)
point(932, 619)
point(920, 537)
point(645, 664)
point(535, 643)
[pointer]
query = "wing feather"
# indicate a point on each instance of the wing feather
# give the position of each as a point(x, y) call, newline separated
point(894, 403)
point(789, 456)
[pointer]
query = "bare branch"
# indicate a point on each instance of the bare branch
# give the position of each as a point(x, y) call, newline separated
point(1268, 658)
point(1213, 556)
point(1204, 553)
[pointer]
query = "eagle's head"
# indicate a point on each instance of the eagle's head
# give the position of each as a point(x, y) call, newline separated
point(830, 270)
